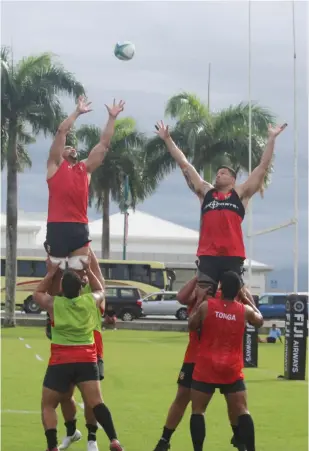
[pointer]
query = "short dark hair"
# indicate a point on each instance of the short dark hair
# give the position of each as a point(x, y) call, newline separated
point(230, 284)
point(232, 171)
point(71, 284)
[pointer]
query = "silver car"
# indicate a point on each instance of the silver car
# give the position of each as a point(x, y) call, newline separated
point(164, 303)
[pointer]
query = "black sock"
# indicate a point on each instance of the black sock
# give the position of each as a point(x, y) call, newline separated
point(246, 431)
point(92, 432)
point(198, 431)
point(51, 437)
point(104, 417)
point(71, 427)
point(235, 431)
point(167, 433)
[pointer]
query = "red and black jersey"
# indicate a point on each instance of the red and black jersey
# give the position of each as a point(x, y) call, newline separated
point(221, 218)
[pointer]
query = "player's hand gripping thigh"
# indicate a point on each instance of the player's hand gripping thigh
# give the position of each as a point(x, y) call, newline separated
point(236, 404)
point(200, 401)
point(91, 393)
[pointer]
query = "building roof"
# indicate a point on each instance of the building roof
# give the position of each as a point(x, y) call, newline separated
point(143, 225)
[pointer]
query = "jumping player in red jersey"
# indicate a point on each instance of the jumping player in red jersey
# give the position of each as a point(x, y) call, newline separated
point(73, 359)
point(68, 183)
point(221, 246)
point(219, 361)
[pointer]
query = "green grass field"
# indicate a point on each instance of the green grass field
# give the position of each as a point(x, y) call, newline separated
point(141, 370)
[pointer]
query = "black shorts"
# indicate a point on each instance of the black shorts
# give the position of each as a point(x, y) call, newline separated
point(61, 377)
point(271, 340)
point(211, 269)
point(63, 238)
point(185, 375)
point(225, 389)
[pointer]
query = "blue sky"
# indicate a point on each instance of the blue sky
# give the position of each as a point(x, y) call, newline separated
point(175, 41)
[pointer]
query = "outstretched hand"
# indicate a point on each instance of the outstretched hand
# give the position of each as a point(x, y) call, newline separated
point(82, 105)
point(274, 131)
point(162, 130)
point(115, 109)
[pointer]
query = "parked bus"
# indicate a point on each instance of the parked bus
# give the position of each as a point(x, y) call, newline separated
point(148, 276)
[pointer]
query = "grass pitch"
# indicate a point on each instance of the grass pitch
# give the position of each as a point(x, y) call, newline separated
point(141, 369)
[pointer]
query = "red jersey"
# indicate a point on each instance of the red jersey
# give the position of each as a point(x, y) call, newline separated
point(220, 231)
point(68, 194)
point(220, 356)
point(194, 341)
point(98, 343)
point(60, 354)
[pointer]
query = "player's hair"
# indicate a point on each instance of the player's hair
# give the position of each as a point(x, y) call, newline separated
point(230, 285)
point(71, 284)
point(232, 171)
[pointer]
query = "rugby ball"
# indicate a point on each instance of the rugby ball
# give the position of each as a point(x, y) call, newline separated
point(124, 51)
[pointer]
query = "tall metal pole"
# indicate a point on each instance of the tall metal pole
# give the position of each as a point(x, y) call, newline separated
point(296, 239)
point(126, 217)
point(208, 92)
point(250, 207)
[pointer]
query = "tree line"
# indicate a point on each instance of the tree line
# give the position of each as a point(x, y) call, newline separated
point(31, 91)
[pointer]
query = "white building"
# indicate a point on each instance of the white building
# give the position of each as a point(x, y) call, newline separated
point(149, 238)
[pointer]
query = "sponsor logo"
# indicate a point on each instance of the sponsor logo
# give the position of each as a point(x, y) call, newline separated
point(213, 205)
point(227, 316)
point(299, 306)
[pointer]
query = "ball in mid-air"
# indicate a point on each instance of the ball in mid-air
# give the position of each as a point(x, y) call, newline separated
point(124, 51)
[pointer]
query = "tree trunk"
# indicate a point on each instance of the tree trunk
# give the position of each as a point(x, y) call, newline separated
point(11, 229)
point(105, 225)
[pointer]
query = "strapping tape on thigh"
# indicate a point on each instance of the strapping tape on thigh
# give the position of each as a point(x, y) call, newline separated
point(76, 261)
point(56, 260)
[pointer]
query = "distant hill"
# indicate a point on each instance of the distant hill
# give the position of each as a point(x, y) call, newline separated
point(282, 279)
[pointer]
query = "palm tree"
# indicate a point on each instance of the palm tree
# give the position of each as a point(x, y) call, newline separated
point(210, 139)
point(125, 157)
point(29, 101)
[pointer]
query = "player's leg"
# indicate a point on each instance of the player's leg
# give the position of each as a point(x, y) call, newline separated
point(201, 394)
point(78, 245)
point(236, 397)
point(207, 277)
point(233, 418)
point(178, 407)
point(56, 382)
point(88, 382)
point(68, 408)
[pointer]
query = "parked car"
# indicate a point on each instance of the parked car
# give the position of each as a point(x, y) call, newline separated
point(164, 303)
point(124, 301)
point(272, 305)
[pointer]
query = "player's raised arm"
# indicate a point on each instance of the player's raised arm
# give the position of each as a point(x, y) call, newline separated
point(193, 179)
point(254, 182)
point(253, 316)
point(98, 153)
point(40, 295)
point(58, 145)
point(197, 316)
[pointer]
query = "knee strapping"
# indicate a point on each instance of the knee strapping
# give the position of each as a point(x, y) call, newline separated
point(57, 260)
point(76, 262)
